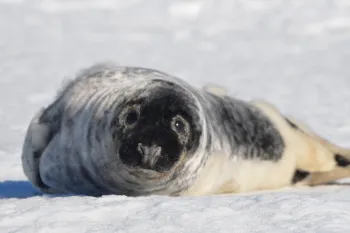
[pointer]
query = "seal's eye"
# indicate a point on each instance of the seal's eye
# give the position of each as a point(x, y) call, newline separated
point(130, 116)
point(180, 126)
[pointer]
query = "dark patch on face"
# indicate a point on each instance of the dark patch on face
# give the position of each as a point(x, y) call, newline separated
point(341, 160)
point(248, 131)
point(154, 128)
point(299, 175)
point(164, 139)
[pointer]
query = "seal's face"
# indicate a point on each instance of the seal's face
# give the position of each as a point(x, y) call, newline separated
point(159, 129)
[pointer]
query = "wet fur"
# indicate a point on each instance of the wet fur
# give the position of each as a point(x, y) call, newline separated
point(70, 146)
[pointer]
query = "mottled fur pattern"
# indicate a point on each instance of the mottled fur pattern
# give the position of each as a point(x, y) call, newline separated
point(72, 146)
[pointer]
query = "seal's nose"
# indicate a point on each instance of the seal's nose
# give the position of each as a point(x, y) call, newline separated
point(149, 154)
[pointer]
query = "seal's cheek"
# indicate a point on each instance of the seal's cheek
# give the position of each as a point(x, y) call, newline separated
point(159, 153)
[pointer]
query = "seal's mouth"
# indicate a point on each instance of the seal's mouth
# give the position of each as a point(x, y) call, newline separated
point(140, 174)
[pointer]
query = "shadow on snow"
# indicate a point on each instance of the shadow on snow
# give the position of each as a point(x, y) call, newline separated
point(18, 189)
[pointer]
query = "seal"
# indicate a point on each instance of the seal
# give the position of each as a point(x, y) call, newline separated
point(138, 131)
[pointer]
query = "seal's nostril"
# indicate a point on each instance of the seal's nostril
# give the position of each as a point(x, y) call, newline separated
point(149, 154)
point(141, 149)
point(157, 151)
point(149, 150)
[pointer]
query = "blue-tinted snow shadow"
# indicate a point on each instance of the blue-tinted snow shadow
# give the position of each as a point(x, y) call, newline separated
point(24, 189)
point(18, 189)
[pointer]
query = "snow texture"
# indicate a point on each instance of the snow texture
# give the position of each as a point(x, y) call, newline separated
point(294, 54)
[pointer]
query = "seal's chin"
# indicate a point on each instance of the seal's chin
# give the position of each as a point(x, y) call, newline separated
point(158, 168)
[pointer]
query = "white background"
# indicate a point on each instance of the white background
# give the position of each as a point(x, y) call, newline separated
point(295, 54)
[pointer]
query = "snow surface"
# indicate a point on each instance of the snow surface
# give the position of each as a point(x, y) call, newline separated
point(293, 53)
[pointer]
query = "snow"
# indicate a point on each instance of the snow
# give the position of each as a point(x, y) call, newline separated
point(294, 54)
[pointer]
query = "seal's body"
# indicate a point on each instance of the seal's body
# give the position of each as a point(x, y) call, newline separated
point(136, 131)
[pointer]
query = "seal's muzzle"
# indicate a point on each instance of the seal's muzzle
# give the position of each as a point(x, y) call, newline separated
point(154, 149)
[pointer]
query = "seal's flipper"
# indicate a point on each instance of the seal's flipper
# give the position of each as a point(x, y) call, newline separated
point(340, 154)
point(215, 89)
point(323, 178)
point(36, 140)
point(309, 153)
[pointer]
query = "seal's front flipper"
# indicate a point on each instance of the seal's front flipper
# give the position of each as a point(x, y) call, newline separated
point(215, 89)
point(37, 138)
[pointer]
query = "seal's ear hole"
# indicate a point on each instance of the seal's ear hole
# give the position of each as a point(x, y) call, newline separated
point(130, 115)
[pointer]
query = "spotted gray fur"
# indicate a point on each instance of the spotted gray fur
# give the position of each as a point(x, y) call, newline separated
point(79, 155)
point(243, 128)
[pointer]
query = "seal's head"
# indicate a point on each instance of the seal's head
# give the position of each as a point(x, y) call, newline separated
point(120, 130)
point(159, 129)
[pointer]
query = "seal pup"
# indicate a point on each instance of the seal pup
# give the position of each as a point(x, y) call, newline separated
point(138, 131)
